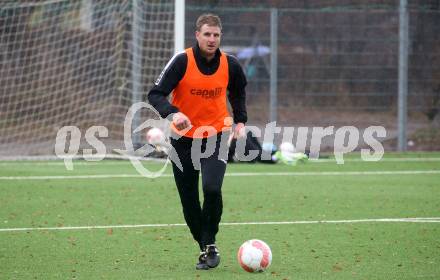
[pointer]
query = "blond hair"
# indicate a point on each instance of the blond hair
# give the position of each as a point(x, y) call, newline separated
point(210, 20)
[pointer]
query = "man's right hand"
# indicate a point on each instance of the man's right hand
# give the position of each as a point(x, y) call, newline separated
point(181, 121)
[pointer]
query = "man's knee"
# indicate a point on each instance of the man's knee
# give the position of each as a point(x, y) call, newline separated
point(212, 190)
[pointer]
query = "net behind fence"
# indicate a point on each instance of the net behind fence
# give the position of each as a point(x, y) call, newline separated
point(72, 63)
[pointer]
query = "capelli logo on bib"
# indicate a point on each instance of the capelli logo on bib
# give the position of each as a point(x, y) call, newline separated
point(207, 93)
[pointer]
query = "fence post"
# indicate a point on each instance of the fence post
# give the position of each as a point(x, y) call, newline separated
point(179, 25)
point(273, 64)
point(403, 76)
point(136, 66)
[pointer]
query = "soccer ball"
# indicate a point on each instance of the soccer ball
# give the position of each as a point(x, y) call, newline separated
point(254, 256)
point(155, 136)
point(287, 148)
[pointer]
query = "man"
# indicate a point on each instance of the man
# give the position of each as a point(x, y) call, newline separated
point(199, 78)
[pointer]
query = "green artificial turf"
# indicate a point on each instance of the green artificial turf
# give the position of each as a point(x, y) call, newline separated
point(137, 242)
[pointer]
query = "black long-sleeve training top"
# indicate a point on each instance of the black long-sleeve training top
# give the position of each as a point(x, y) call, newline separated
point(175, 70)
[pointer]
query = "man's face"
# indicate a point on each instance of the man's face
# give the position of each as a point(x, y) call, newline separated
point(209, 39)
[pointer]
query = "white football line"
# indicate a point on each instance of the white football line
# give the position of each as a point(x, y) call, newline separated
point(65, 177)
point(124, 161)
point(325, 160)
point(230, 174)
point(382, 220)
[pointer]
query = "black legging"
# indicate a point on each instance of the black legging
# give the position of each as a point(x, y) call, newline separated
point(202, 221)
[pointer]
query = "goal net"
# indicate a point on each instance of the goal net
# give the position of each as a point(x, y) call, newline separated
point(76, 63)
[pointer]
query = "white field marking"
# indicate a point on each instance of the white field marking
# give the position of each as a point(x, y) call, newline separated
point(67, 177)
point(231, 174)
point(124, 161)
point(78, 160)
point(79, 163)
point(382, 220)
point(429, 159)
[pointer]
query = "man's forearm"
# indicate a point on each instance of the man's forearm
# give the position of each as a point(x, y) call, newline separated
point(160, 102)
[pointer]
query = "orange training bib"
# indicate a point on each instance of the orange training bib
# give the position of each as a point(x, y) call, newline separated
point(203, 99)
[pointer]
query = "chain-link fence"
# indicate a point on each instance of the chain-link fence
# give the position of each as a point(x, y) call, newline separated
point(83, 63)
point(337, 65)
